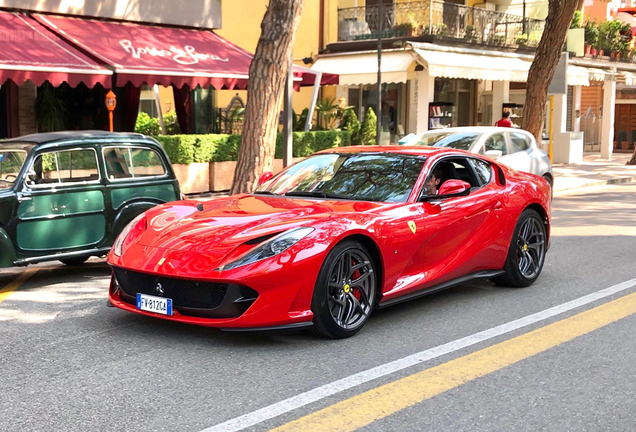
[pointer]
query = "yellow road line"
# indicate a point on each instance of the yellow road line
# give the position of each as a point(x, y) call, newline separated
point(381, 402)
point(15, 284)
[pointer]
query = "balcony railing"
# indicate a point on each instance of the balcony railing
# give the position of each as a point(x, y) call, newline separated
point(441, 19)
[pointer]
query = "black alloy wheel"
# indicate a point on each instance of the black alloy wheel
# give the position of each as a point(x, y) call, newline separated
point(345, 291)
point(526, 255)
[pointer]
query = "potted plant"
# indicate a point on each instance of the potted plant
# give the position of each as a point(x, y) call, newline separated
point(409, 27)
point(591, 36)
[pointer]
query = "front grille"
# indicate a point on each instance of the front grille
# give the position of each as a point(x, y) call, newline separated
point(189, 297)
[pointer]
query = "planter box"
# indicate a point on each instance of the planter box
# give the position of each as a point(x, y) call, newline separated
point(193, 178)
point(222, 173)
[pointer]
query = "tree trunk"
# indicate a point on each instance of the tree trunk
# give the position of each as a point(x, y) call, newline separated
point(268, 72)
point(560, 14)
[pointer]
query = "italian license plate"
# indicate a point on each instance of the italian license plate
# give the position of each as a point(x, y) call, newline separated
point(154, 304)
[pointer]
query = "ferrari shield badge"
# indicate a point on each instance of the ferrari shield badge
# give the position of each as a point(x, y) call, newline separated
point(412, 226)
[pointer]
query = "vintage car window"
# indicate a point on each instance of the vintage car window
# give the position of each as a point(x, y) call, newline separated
point(11, 162)
point(67, 166)
point(364, 176)
point(483, 170)
point(519, 142)
point(496, 142)
point(132, 162)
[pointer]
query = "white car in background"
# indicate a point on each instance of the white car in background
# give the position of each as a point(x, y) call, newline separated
point(516, 148)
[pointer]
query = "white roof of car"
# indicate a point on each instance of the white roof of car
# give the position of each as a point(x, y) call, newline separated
point(477, 129)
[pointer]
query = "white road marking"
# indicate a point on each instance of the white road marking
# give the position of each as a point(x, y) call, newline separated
point(322, 392)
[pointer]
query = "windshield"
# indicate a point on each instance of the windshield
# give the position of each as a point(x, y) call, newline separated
point(457, 140)
point(365, 177)
point(10, 164)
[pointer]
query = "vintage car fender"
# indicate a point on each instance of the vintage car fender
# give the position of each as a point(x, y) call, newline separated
point(131, 211)
point(7, 251)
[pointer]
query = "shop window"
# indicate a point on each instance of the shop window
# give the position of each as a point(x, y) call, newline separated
point(132, 162)
point(74, 166)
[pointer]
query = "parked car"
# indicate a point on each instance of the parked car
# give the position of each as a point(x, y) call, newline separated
point(67, 195)
point(516, 148)
point(332, 237)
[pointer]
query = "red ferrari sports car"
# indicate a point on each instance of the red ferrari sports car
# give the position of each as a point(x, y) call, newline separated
point(332, 237)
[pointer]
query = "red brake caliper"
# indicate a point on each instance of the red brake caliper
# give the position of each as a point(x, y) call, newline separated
point(355, 290)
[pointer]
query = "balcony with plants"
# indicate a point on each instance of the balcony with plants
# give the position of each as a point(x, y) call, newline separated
point(439, 20)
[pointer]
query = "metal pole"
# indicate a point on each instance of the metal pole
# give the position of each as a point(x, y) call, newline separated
point(155, 89)
point(287, 115)
point(551, 126)
point(379, 113)
point(312, 104)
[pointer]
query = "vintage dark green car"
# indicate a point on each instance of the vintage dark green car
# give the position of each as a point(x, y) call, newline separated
point(67, 195)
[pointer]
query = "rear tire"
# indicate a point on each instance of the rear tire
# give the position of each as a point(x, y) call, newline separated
point(345, 291)
point(71, 262)
point(526, 254)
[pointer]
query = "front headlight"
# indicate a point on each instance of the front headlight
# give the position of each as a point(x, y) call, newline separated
point(126, 238)
point(270, 248)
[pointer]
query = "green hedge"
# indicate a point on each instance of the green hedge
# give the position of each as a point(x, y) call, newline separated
point(186, 149)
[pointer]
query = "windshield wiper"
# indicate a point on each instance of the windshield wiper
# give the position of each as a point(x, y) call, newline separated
point(324, 195)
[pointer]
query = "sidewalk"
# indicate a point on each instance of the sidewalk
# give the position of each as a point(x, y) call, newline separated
point(593, 171)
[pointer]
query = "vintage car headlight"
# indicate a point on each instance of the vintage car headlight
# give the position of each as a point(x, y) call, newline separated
point(131, 232)
point(270, 248)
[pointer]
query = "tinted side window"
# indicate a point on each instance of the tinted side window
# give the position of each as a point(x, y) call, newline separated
point(519, 142)
point(132, 162)
point(72, 166)
point(483, 170)
point(496, 142)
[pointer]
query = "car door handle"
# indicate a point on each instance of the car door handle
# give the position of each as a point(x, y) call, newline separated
point(498, 205)
point(23, 198)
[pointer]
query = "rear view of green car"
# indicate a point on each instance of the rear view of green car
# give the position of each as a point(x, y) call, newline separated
point(67, 195)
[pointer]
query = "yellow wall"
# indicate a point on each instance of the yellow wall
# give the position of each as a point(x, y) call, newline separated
point(166, 96)
point(242, 26)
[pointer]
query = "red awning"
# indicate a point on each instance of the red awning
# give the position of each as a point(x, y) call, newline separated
point(31, 52)
point(145, 54)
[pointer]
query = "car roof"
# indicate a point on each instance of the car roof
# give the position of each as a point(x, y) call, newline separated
point(396, 149)
point(48, 137)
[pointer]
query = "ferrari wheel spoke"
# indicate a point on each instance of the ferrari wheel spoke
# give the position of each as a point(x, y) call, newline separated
point(358, 282)
point(357, 267)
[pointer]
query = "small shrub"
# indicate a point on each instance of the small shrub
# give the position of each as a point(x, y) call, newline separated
point(180, 148)
point(368, 130)
point(171, 123)
point(351, 124)
point(147, 125)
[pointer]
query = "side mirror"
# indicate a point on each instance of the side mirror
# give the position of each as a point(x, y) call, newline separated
point(32, 177)
point(453, 187)
point(494, 154)
point(265, 177)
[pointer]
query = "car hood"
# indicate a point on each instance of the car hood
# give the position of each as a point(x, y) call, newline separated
point(217, 227)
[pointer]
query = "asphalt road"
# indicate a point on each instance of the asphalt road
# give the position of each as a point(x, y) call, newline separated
point(69, 363)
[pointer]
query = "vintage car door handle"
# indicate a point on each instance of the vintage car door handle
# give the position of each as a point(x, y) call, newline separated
point(23, 198)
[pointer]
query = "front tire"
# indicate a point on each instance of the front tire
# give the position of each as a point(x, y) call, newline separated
point(345, 291)
point(526, 254)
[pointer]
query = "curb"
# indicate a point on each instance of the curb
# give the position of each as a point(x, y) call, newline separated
point(596, 184)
